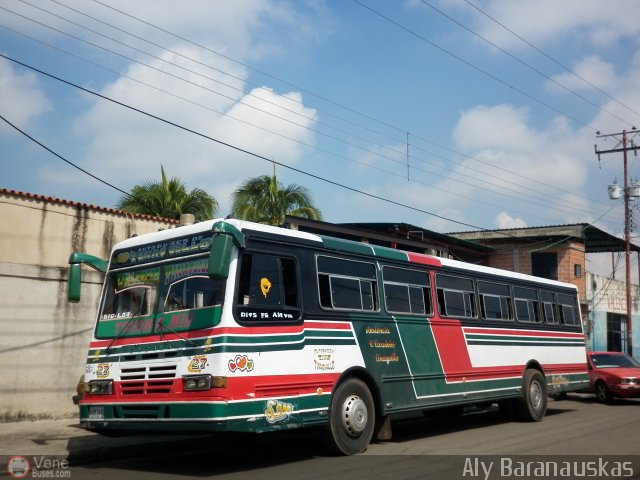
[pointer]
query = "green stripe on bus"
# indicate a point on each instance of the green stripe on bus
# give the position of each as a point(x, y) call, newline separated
point(391, 253)
point(348, 246)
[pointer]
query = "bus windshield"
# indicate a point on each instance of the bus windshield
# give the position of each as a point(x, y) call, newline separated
point(130, 293)
point(173, 296)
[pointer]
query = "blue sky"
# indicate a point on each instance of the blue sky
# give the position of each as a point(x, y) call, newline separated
point(496, 133)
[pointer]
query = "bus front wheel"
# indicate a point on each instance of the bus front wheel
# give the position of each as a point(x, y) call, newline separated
point(532, 405)
point(351, 418)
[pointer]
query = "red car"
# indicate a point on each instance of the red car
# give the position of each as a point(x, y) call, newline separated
point(613, 374)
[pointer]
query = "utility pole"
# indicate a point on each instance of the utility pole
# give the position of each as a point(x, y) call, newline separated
point(623, 142)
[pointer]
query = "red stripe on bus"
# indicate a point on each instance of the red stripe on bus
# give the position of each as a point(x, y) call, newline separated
point(456, 363)
point(451, 344)
point(423, 259)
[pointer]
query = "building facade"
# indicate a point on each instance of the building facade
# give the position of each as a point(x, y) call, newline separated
point(607, 312)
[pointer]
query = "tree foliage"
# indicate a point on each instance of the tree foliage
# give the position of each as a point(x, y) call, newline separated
point(168, 199)
point(265, 200)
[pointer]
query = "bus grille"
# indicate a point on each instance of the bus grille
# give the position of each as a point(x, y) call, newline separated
point(148, 372)
point(147, 379)
point(146, 387)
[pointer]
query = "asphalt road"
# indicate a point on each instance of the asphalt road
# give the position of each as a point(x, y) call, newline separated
point(602, 439)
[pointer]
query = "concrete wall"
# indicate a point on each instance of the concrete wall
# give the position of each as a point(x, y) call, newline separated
point(43, 338)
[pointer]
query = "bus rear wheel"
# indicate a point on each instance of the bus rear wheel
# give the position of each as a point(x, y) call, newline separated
point(532, 405)
point(351, 418)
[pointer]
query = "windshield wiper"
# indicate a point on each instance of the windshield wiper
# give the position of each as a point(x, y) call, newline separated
point(170, 330)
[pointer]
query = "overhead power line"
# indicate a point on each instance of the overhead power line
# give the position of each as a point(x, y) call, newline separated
point(473, 184)
point(401, 130)
point(522, 62)
point(560, 64)
point(86, 172)
point(473, 66)
point(226, 144)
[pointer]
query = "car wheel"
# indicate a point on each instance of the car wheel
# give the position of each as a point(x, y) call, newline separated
point(602, 392)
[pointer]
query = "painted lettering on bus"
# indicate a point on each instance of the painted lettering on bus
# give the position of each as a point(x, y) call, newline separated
point(159, 251)
point(138, 326)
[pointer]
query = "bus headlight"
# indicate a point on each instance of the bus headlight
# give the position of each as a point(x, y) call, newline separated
point(197, 382)
point(100, 387)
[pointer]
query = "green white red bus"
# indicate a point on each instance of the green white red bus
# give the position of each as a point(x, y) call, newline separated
point(227, 325)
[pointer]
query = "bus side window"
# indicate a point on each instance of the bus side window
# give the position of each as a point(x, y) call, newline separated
point(526, 304)
point(346, 284)
point(268, 281)
point(495, 301)
point(548, 307)
point(406, 291)
point(567, 309)
point(456, 296)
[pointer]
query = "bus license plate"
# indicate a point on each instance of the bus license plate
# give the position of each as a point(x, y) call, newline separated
point(96, 413)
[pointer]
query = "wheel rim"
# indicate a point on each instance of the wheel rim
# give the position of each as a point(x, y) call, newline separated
point(354, 415)
point(535, 395)
point(601, 392)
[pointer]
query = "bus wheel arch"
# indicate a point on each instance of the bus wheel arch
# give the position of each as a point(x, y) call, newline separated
point(353, 417)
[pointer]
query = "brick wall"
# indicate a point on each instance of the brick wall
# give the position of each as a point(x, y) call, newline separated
point(518, 259)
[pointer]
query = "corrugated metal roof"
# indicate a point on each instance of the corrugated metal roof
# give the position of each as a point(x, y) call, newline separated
point(594, 239)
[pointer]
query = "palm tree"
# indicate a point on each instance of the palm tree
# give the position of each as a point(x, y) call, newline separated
point(265, 200)
point(169, 199)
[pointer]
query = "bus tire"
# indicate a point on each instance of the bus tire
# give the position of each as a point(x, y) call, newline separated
point(351, 418)
point(532, 405)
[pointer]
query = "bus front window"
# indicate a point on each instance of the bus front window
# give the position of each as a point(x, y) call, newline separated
point(130, 302)
point(194, 292)
point(130, 294)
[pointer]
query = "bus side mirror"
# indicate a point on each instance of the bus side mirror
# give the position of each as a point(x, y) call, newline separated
point(74, 283)
point(220, 257)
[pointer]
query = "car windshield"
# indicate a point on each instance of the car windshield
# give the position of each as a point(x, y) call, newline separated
point(605, 360)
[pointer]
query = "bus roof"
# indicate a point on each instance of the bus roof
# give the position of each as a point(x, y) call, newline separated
point(333, 244)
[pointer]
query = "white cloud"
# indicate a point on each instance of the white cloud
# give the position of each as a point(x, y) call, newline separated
point(499, 126)
point(545, 21)
point(20, 96)
point(593, 69)
point(126, 147)
point(505, 221)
